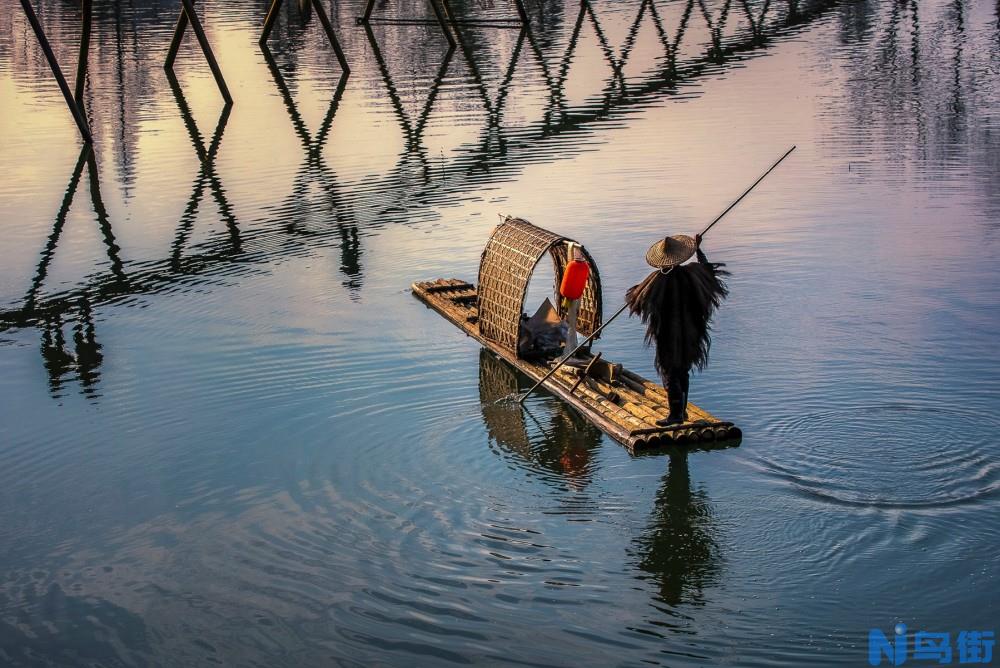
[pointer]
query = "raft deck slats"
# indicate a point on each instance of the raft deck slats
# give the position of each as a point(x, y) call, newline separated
point(631, 419)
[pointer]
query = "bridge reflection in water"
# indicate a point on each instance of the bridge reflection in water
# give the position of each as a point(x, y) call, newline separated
point(413, 184)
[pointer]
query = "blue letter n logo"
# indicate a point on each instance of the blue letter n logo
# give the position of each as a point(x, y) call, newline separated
point(879, 647)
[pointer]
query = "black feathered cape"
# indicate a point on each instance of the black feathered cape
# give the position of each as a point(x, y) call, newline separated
point(677, 308)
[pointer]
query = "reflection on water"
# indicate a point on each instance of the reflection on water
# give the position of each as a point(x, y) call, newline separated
point(558, 440)
point(313, 173)
point(84, 361)
point(923, 84)
point(318, 188)
point(206, 176)
point(57, 627)
point(262, 451)
point(679, 550)
point(475, 166)
point(413, 128)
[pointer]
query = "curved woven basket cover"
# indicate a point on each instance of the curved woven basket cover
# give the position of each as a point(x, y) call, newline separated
point(508, 260)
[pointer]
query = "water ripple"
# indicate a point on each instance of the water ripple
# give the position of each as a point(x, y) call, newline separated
point(887, 456)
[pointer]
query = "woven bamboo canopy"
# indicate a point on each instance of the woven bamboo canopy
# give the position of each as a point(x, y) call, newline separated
point(508, 261)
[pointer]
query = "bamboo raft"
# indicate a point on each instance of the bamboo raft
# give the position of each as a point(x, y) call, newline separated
point(621, 403)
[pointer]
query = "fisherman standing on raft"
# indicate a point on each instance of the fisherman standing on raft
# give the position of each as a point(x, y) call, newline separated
point(676, 303)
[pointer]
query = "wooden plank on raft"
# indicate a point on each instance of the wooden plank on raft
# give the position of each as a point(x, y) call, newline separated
point(626, 408)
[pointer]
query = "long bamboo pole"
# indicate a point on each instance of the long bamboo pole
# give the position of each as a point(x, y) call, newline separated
point(607, 322)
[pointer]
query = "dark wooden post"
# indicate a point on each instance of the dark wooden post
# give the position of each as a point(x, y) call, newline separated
point(81, 120)
point(272, 17)
point(366, 17)
point(441, 22)
point(175, 42)
point(81, 64)
point(188, 15)
point(323, 19)
point(522, 11)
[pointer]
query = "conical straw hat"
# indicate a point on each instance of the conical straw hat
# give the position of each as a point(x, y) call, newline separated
point(670, 251)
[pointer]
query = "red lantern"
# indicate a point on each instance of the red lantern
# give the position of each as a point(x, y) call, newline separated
point(574, 279)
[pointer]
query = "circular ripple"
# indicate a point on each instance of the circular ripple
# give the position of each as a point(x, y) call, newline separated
point(887, 456)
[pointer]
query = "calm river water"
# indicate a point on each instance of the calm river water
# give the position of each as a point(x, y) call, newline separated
point(230, 435)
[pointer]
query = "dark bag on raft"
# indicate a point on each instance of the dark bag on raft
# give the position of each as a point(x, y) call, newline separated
point(543, 335)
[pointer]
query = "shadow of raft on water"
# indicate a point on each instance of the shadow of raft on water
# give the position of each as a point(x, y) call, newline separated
point(501, 386)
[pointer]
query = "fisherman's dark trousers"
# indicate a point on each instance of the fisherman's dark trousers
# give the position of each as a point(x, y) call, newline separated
point(677, 381)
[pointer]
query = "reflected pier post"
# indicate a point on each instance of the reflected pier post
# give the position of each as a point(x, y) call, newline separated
point(413, 132)
point(86, 160)
point(81, 120)
point(48, 252)
point(716, 52)
point(206, 175)
point(471, 169)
